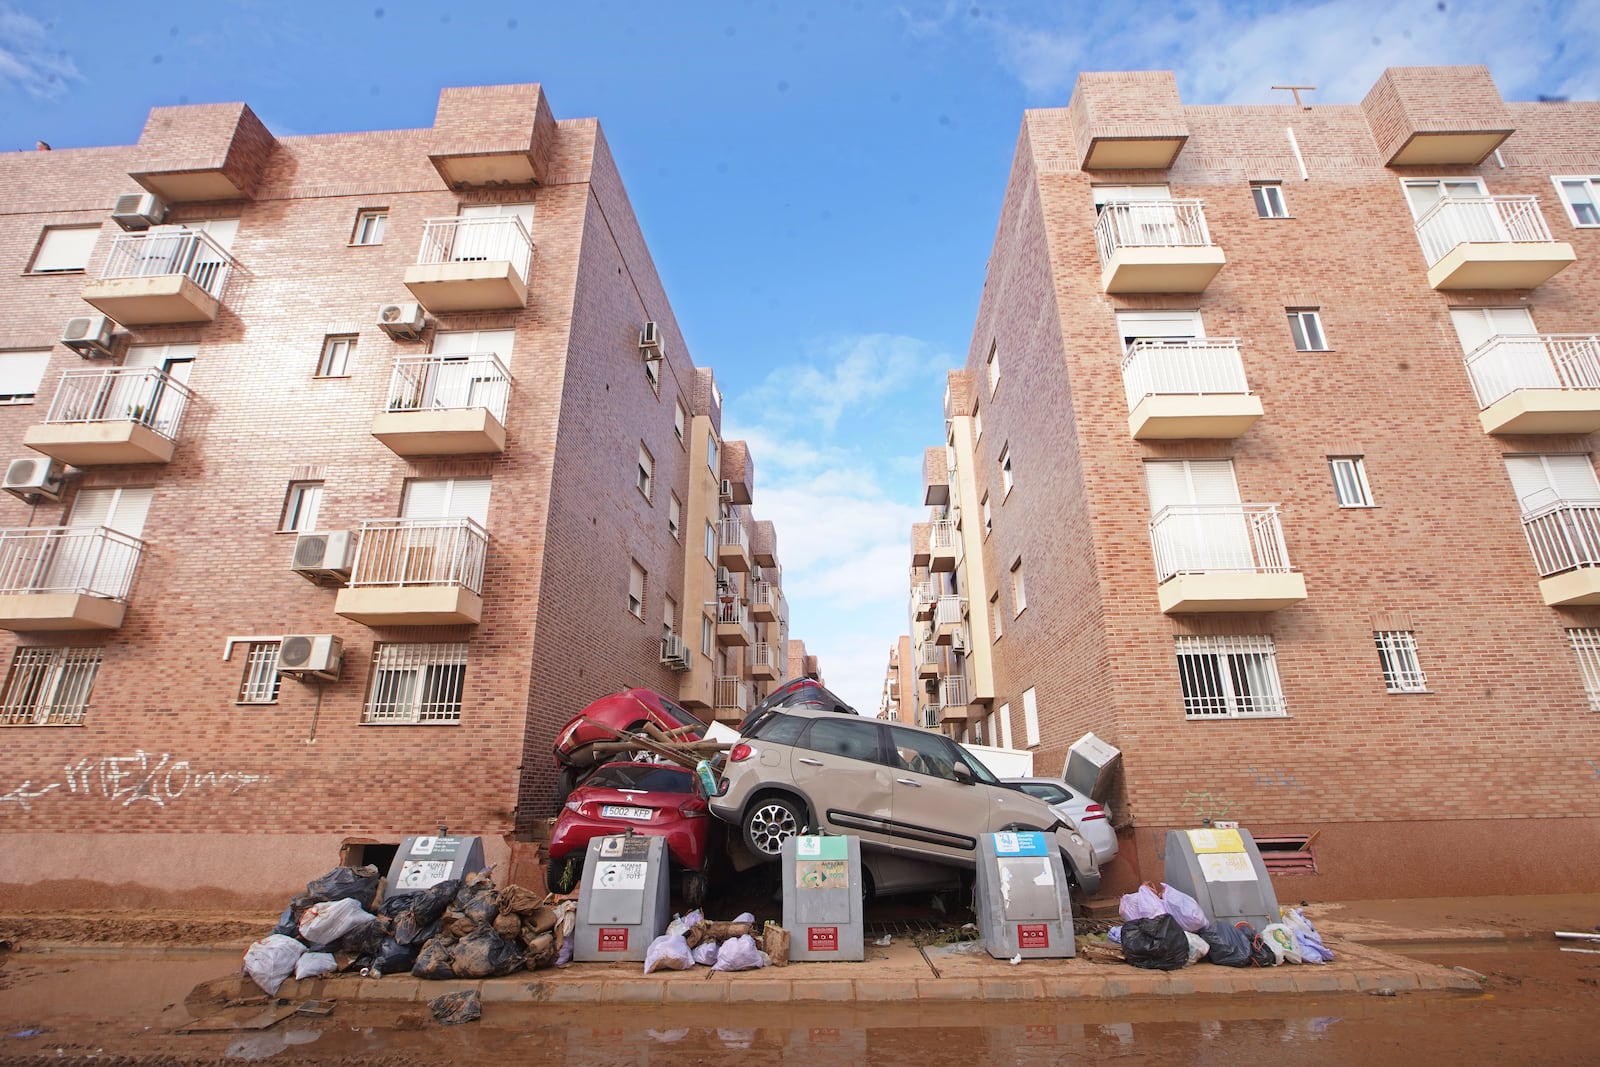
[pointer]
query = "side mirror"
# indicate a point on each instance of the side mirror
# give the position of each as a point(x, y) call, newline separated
point(964, 774)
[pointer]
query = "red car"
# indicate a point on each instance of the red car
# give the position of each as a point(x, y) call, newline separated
point(627, 710)
point(652, 799)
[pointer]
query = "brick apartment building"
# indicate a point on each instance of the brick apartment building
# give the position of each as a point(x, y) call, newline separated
point(342, 471)
point(1272, 464)
point(899, 700)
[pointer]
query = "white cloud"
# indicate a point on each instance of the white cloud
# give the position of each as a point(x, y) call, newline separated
point(29, 59)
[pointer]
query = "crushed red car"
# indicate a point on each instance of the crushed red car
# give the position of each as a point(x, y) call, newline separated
point(627, 710)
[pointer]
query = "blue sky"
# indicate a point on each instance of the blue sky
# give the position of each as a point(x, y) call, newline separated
point(818, 182)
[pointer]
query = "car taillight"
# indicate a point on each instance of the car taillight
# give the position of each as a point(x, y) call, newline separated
point(692, 809)
point(1093, 812)
point(574, 805)
point(740, 752)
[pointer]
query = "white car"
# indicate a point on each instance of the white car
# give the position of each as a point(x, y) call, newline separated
point(1083, 813)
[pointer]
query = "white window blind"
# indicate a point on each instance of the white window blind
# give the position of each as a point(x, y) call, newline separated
point(65, 248)
point(20, 374)
point(1540, 481)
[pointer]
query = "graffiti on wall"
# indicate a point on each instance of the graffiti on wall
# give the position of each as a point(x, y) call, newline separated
point(1207, 806)
point(143, 777)
point(1275, 778)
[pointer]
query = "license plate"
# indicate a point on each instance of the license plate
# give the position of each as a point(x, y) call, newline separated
point(622, 811)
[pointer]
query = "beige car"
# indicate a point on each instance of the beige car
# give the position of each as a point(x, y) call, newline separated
point(912, 796)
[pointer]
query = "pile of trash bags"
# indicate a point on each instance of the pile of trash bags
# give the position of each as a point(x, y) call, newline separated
point(723, 946)
point(1164, 929)
point(461, 928)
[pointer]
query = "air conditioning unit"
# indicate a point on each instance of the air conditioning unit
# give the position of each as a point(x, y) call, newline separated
point(726, 489)
point(724, 578)
point(139, 211)
point(317, 655)
point(673, 653)
point(319, 557)
point(650, 341)
point(89, 335)
point(755, 573)
point(403, 322)
point(958, 641)
point(32, 477)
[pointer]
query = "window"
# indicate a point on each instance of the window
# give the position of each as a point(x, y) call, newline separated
point(678, 418)
point(64, 249)
point(1582, 198)
point(675, 517)
point(988, 519)
point(647, 471)
point(711, 542)
point(652, 373)
point(994, 366)
point(669, 616)
point(1350, 481)
point(1006, 479)
point(1397, 652)
point(1030, 715)
point(1541, 481)
point(636, 590)
point(1586, 645)
point(20, 375)
point(994, 615)
point(49, 686)
point(1269, 200)
point(711, 452)
point(1019, 596)
point(977, 426)
point(416, 684)
point(1305, 324)
point(845, 736)
point(302, 506)
point(369, 226)
point(707, 635)
point(336, 352)
point(1229, 677)
point(1005, 725)
point(260, 682)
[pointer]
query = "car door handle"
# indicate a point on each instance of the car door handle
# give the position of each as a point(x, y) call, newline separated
point(809, 762)
point(908, 781)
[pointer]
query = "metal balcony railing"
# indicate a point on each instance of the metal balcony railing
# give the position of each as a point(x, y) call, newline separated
point(731, 611)
point(931, 716)
point(944, 537)
point(732, 532)
point(953, 691)
point(408, 552)
point(465, 240)
point(1183, 366)
point(922, 595)
point(450, 383)
point(1206, 538)
point(191, 253)
point(931, 655)
point(90, 560)
point(1506, 363)
point(950, 610)
point(731, 692)
point(764, 593)
point(145, 395)
point(764, 654)
point(1150, 224)
point(1457, 220)
point(1563, 536)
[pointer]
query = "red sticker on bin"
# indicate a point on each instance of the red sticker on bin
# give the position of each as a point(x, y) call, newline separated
point(1033, 935)
point(613, 939)
point(822, 938)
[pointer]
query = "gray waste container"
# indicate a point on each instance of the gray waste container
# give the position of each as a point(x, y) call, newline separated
point(424, 861)
point(622, 901)
point(1222, 869)
point(822, 898)
point(1023, 904)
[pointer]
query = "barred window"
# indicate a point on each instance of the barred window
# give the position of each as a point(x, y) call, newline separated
point(260, 682)
point(1229, 677)
point(1586, 645)
point(1397, 651)
point(49, 686)
point(418, 683)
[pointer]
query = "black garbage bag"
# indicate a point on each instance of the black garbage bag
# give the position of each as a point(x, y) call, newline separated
point(484, 954)
point(1156, 944)
point(479, 901)
point(429, 904)
point(365, 940)
point(289, 921)
point(361, 883)
point(1226, 944)
point(409, 931)
point(1260, 954)
point(462, 1007)
point(434, 960)
point(394, 958)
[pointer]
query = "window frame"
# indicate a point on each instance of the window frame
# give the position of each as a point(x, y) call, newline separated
point(260, 681)
point(44, 240)
point(1019, 591)
point(711, 543)
point(1298, 319)
point(675, 517)
point(680, 421)
point(645, 477)
point(1261, 192)
point(56, 672)
point(992, 367)
point(1008, 475)
point(1218, 652)
point(364, 218)
point(1030, 716)
point(333, 345)
point(1397, 656)
point(995, 617)
point(293, 506)
point(1592, 183)
point(1356, 480)
point(39, 356)
point(428, 663)
point(988, 515)
point(637, 581)
point(1585, 642)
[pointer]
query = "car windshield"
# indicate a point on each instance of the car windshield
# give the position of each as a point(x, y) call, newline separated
point(650, 777)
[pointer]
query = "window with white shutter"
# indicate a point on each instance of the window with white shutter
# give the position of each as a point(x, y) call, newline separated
point(65, 248)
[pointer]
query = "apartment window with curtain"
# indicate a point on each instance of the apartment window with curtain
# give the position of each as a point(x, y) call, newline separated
point(1229, 677)
point(1397, 654)
point(260, 682)
point(416, 684)
point(48, 686)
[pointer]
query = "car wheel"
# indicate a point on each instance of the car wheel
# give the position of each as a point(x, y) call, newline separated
point(566, 782)
point(769, 823)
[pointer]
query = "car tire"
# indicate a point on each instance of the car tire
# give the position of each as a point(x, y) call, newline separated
point(566, 781)
point(770, 822)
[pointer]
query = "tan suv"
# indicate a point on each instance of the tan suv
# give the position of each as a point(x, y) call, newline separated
point(912, 796)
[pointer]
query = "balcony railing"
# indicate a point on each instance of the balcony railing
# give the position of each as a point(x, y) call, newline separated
point(732, 611)
point(146, 395)
point(950, 610)
point(466, 240)
point(1457, 220)
point(87, 560)
point(731, 533)
point(1210, 538)
point(953, 690)
point(731, 692)
point(1150, 224)
point(1184, 366)
point(1506, 363)
point(765, 654)
point(190, 253)
point(450, 383)
point(1563, 537)
point(420, 552)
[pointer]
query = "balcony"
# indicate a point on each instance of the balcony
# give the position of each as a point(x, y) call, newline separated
point(112, 415)
point(1223, 557)
point(944, 542)
point(1155, 246)
point(764, 602)
point(733, 545)
point(160, 278)
point(1188, 387)
point(952, 699)
point(922, 601)
point(764, 665)
point(733, 622)
point(930, 663)
point(472, 264)
point(949, 614)
point(1565, 540)
point(1537, 383)
point(731, 698)
point(416, 572)
point(66, 577)
point(445, 406)
point(1489, 242)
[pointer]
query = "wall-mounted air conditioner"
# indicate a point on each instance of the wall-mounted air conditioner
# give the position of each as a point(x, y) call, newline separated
point(673, 653)
point(320, 557)
point(724, 578)
point(139, 211)
point(316, 655)
point(725, 490)
point(403, 322)
point(650, 341)
point(31, 477)
point(958, 641)
point(89, 335)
